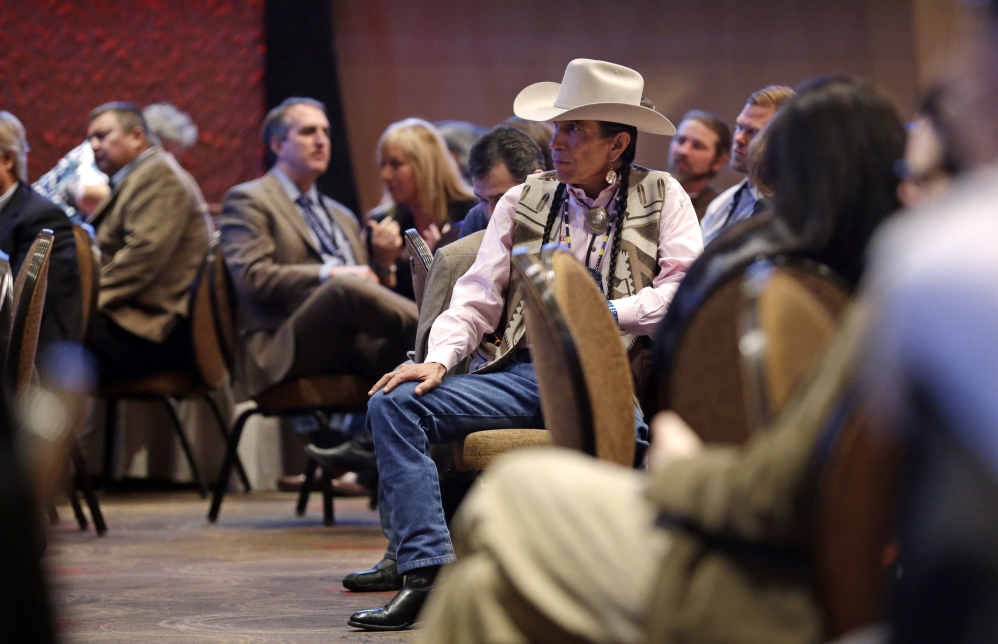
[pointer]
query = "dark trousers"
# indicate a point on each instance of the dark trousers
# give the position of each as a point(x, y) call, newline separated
point(122, 355)
point(347, 326)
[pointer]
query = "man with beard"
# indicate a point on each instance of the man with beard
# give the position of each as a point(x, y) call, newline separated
point(697, 153)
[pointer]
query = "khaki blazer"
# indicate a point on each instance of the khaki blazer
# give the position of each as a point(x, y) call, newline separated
point(153, 232)
point(275, 263)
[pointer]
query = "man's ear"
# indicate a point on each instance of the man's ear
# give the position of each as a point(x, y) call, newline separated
point(620, 143)
point(275, 146)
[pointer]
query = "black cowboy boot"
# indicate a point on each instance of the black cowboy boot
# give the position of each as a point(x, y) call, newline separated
point(384, 576)
point(401, 612)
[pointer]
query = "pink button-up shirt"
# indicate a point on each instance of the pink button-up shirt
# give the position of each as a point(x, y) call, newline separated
point(477, 302)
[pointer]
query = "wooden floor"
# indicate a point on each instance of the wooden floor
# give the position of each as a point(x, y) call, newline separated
point(261, 575)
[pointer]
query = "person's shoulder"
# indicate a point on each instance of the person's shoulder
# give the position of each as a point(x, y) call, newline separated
point(252, 189)
point(39, 205)
point(467, 245)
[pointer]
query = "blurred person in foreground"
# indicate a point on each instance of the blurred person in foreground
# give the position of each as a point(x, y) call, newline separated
point(78, 186)
point(423, 190)
point(23, 214)
point(929, 165)
point(738, 202)
point(556, 546)
point(933, 371)
point(697, 153)
point(592, 197)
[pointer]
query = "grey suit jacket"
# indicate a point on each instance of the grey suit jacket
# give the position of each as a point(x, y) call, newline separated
point(153, 231)
point(274, 262)
point(449, 263)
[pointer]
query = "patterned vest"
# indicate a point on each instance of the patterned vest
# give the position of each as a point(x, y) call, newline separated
point(636, 266)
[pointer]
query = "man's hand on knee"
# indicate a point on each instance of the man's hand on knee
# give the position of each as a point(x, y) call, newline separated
point(430, 374)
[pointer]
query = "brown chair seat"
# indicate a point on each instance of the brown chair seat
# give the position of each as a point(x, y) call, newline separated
point(477, 451)
point(315, 392)
point(174, 383)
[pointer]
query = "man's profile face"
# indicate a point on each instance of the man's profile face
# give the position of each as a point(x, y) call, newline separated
point(113, 147)
point(749, 123)
point(490, 188)
point(693, 152)
point(305, 150)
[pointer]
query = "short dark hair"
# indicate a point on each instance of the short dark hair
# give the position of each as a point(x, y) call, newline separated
point(276, 126)
point(128, 114)
point(509, 145)
point(715, 124)
point(540, 131)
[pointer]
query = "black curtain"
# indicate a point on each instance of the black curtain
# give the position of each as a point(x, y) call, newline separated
point(300, 61)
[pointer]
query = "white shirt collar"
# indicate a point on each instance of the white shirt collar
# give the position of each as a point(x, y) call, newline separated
point(292, 190)
point(120, 175)
point(7, 196)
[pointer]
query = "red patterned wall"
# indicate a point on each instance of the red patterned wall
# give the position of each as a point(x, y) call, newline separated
point(61, 58)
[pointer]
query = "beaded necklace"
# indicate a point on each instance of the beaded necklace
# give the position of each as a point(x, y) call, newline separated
point(596, 272)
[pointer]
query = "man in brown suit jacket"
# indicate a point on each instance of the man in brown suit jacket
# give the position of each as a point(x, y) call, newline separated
point(153, 231)
point(309, 303)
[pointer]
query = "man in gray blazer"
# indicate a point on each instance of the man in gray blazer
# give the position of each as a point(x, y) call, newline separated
point(309, 303)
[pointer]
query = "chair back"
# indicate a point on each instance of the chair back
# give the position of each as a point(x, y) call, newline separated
point(716, 389)
point(212, 347)
point(587, 393)
point(29, 302)
point(6, 307)
point(854, 527)
point(420, 259)
point(88, 260)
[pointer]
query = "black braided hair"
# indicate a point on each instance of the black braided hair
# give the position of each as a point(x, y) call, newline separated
point(559, 199)
point(626, 159)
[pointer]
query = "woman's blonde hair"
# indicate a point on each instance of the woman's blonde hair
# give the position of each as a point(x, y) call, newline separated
point(438, 181)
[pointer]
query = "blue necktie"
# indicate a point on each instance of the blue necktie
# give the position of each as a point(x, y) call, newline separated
point(326, 240)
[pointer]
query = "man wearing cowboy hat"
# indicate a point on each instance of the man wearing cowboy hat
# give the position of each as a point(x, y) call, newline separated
point(589, 199)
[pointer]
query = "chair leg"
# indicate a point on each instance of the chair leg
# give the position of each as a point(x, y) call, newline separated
point(74, 501)
point(110, 429)
point(171, 404)
point(306, 487)
point(328, 517)
point(222, 427)
point(230, 458)
point(83, 480)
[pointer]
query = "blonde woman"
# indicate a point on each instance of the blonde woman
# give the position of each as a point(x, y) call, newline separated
point(423, 190)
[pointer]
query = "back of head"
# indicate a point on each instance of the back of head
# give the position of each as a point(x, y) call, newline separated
point(508, 145)
point(14, 144)
point(830, 158)
point(540, 131)
point(459, 136)
point(165, 121)
point(438, 181)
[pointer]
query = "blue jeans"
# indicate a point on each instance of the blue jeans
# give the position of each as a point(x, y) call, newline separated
point(404, 425)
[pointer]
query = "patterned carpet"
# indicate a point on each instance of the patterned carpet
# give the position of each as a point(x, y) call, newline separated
point(261, 575)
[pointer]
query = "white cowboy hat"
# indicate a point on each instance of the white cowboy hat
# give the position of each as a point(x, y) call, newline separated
point(592, 90)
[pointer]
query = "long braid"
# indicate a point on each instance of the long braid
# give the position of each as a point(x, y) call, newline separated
point(621, 207)
point(559, 198)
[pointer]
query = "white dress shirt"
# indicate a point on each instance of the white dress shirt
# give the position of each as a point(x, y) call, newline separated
point(478, 297)
point(719, 214)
